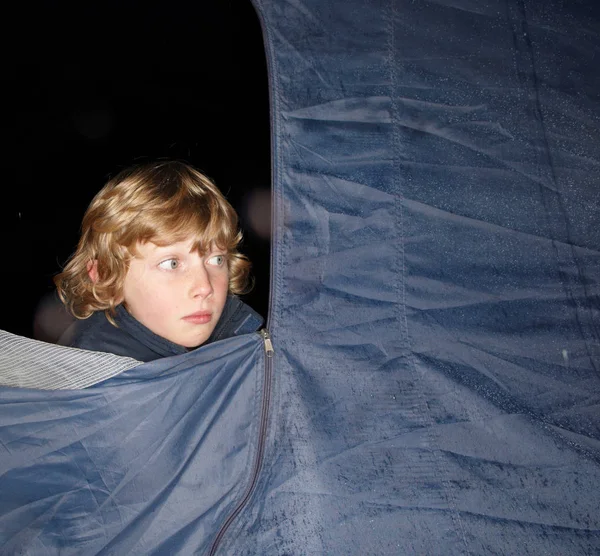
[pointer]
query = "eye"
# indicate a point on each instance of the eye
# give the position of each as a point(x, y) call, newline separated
point(169, 264)
point(216, 260)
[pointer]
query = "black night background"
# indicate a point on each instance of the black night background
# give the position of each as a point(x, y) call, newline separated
point(90, 88)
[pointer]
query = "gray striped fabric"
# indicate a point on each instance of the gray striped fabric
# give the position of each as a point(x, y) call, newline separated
point(27, 363)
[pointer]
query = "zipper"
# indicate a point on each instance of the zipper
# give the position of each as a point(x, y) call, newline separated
point(269, 351)
point(262, 435)
point(268, 344)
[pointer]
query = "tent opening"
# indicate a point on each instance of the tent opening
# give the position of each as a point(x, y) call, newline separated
point(94, 90)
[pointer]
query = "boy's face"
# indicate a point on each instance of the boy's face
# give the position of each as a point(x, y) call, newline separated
point(177, 293)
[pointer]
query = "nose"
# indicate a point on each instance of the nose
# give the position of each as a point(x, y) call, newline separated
point(200, 282)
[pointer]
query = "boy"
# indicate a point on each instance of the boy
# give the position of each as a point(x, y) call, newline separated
point(156, 269)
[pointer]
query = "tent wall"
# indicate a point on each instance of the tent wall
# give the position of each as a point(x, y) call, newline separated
point(435, 284)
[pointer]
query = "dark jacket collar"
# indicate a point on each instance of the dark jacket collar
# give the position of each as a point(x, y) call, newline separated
point(130, 338)
point(152, 342)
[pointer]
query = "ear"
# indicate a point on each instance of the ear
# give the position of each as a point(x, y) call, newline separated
point(92, 270)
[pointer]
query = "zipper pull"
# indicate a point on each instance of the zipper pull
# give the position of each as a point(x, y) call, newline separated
point(268, 344)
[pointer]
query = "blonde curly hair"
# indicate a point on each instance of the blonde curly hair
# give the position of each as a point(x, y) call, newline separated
point(163, 202)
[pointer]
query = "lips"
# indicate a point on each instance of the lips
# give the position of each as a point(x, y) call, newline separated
point(201, 317)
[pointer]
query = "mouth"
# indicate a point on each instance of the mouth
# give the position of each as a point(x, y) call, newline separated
point(201, 317)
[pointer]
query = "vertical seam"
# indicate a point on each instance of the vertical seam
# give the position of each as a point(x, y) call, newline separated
point(422, 406)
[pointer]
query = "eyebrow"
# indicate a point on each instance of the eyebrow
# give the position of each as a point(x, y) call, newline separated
point(175, 245)
point(212, 248)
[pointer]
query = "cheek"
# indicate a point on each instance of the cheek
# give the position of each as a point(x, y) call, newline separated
point(138, 291)
point(152, 307)
point(223, 284)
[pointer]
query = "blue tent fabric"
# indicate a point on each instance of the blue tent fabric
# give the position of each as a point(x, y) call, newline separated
point(144, 463)
point(435, 314)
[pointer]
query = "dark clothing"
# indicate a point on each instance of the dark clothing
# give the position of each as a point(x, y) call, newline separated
point(132, 339)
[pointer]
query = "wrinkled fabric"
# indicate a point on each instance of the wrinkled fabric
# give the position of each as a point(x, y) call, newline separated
point(434, 312)
point(436, 280)
point(149, 462)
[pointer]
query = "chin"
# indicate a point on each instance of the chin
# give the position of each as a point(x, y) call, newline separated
point(192, 344)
